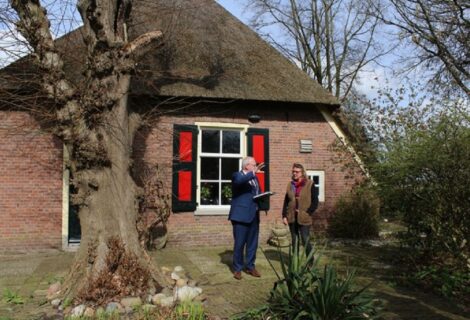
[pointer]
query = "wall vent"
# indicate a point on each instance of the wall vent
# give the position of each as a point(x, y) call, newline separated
point(306, 146)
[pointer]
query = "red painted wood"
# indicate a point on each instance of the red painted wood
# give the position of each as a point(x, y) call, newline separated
point(186, 142)
point(184, 185)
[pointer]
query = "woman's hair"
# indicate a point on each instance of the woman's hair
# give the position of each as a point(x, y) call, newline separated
point(301, 167)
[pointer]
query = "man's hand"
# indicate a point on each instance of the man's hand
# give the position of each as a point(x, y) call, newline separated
point(284, 220)
point(258, 167)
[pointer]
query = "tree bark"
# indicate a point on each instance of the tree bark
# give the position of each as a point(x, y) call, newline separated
point(98, 129)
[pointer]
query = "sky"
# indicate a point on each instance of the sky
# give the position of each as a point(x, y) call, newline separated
point(371, 77)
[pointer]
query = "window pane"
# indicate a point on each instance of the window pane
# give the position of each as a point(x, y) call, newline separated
point(229, 166)
point(209, 193)
point(211, 141)
point(210, 168)
point(316, 180)
point(231, 141)
point(226, 193)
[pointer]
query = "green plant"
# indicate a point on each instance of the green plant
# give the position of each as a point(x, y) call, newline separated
point(423, 177)
point(12, 297)
point(190, 310)
point(449, 283)
point(67, 302)
point(205, 192)
point(304, 292)
point(259, 313)
point(356, 216)
point(227, 191)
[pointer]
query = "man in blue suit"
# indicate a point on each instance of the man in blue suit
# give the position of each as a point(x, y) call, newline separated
point(244, 215)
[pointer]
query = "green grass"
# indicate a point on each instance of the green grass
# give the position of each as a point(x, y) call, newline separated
point(11, 297)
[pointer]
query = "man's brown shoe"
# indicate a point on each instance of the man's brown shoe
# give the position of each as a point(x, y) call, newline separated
point(253, 272)
point(237, 275)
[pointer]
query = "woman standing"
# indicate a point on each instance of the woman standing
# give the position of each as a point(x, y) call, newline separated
point(300, 203)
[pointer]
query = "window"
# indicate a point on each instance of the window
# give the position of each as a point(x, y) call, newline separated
point(220, 154)
point(318, 178)
point(205, 155)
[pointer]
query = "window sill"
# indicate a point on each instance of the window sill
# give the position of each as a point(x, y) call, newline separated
point(208, 211)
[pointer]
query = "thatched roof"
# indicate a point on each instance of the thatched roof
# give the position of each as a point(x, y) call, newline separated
point(207, 53)
point(210, 53)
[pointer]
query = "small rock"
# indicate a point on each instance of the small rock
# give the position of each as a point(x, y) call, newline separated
point(78, 311)
point(192, 283)
point(112, 306)
point(181, 282)
point(149, 298)
point(53, 290)
point(128, 309)
point(167, 291)
point(187, 293)
point(89, 312)
point(165, 270)
point(178, 269)
point(55, 303)
point(152, 291)
point(131, 302)
point(156, 299)
point(167, 302)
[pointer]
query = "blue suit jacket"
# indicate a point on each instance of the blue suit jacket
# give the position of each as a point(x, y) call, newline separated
point(243, 207)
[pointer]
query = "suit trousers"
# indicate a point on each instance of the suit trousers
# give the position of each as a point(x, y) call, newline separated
point(245, 236)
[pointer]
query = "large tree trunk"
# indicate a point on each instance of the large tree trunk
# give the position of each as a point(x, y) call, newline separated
point(107, 199)
point(98, 129)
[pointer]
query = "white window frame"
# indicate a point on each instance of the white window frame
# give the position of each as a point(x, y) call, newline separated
point(216, 209)
point(321, 182)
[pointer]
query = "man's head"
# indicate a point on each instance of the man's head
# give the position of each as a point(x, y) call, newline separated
point(248, 164)
point(298, 171)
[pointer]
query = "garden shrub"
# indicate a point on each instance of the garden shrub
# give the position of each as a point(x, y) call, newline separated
point(448, 282)
point(424, 177)
point(356, 215)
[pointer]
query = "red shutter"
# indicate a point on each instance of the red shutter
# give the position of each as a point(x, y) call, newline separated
point(258, 148)
point(184, 168)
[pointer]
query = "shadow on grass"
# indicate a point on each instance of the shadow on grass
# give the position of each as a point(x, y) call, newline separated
point(386, 267)
point(226, 258)
point(276, 255)
point(415, 307)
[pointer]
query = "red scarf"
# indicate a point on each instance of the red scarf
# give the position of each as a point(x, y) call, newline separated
point(298, 185)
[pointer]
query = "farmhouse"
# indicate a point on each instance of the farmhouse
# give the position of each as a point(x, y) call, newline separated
point(214, 92)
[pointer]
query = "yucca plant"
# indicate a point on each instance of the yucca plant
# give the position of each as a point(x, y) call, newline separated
point(305, 293)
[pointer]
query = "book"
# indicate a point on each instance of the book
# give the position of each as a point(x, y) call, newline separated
point(264, 194)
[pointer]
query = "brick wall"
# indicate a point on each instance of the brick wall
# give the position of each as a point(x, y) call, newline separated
point(30, 185)
point(31, 173)
point(285, 130)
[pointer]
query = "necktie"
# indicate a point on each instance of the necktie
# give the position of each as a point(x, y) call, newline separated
point(254, 185)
